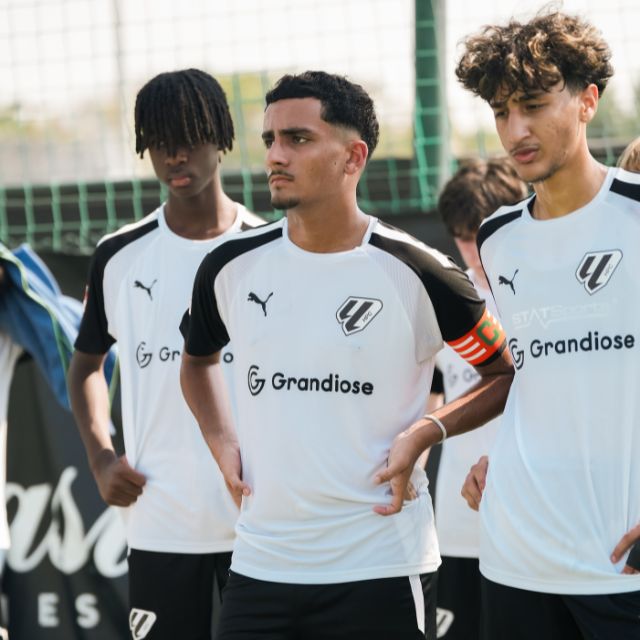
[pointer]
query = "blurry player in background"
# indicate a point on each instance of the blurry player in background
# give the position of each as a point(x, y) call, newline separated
point(630, 157)
point(478, 188)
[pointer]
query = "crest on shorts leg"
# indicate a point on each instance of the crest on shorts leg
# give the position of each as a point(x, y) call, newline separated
point(140, 623)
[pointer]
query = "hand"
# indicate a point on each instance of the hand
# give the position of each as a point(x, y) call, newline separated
point(630, 540)
point(118, 482)
point(475, 482)
point(230, 465)
point(400, 464)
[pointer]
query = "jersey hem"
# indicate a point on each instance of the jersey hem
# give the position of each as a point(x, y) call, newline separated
point(590, 587)
point(337, 577)
point(457, 552)
point(171, 547)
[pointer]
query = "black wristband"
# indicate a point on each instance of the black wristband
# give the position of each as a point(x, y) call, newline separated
point(634, 557)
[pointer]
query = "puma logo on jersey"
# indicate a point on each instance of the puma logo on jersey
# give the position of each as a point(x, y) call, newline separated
point(505, 280)
point(263, 303)
point(138, 285)
point(140, 623)
point(596, 269)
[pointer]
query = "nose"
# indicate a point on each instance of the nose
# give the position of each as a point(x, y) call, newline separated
point(517, 126)
point(276, 155)
point(179, 157)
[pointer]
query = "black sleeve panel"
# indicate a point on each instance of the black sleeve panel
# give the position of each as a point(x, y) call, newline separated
point(626, 189)
point(93, 334)
point(455, 300)
point(489, 227)
point(203, 328)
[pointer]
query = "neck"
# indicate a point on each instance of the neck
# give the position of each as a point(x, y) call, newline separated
point(327, 229)
point(202, 216)
point(568, 189)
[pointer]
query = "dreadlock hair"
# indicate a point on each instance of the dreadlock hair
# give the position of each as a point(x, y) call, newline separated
point(187, 107)
point(476, 190)
point(534, 56)
point(344, 103)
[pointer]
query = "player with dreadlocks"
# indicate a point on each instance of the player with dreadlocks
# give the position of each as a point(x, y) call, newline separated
point(179, 517)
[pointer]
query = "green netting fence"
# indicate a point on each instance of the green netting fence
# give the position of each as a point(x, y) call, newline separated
point(70, 70)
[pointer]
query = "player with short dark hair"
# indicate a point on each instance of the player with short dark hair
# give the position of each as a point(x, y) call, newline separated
point(179, 518)
point(335, 319)
point(561, 507)
point(474, 192)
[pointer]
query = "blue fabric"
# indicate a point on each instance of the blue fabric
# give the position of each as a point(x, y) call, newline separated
point(38, 317)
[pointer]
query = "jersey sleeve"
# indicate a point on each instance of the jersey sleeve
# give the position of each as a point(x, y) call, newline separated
point(202, 327)
point(93, 334)
point(465, 323)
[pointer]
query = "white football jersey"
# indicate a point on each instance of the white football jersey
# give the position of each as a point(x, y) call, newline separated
point(457, 524)
point(333, 358)
point(9, 354)
point(140, 282)
point(564, 479)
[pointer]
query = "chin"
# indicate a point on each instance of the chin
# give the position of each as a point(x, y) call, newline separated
point(544, 173)
point(284, 203)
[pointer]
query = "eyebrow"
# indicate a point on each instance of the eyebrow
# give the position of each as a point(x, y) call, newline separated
point(290, 131)
point(534, 95)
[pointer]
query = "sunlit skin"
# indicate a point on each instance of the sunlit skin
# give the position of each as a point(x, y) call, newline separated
point(313, 168)
point(545, 134)
point(197, 207)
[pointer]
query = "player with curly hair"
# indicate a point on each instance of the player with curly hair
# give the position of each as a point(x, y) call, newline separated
point(561, 507)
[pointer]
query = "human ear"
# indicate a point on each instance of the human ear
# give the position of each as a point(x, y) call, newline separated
point(357, 156)
point(588, 103)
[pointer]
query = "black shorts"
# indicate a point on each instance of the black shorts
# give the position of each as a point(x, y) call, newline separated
point(382, 609)
point(171, 594)
point(509, 613)
point(458, 615)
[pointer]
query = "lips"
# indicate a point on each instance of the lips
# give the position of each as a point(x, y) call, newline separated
point(279, 178)
point(524, 155)
point(179, 180)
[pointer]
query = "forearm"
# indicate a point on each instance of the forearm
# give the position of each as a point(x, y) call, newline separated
point(205, 392)
point(89, 396)
point(480, 404)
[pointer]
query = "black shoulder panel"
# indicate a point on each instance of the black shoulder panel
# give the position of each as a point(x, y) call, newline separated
point(626, 189)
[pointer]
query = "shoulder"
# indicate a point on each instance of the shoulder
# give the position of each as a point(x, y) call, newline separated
point(626, 184)
point(248, 219)
point(241, 244)
point(113, 243)
point(412, 252)
point(500, 219)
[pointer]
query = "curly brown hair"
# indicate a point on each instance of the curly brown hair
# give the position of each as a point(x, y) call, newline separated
point(476, 190)
point(534, 56)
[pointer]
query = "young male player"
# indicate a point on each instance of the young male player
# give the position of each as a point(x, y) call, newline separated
point(180, 518)
point(335, 319)
point(562, 503)
point(477, 189)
